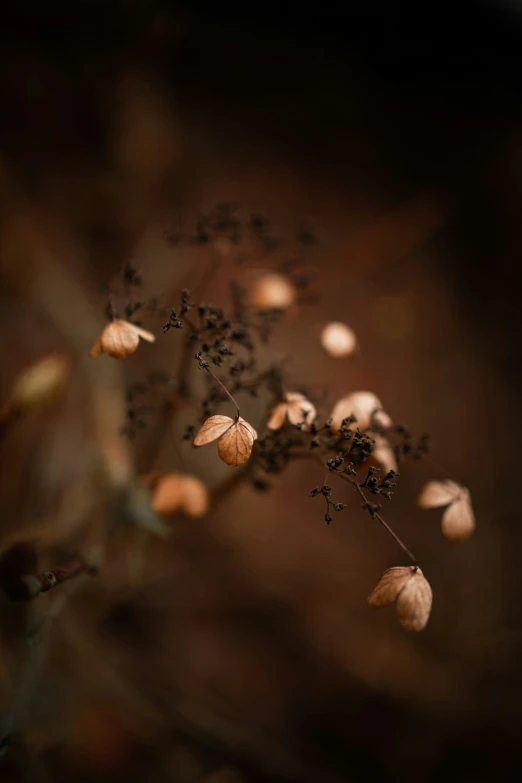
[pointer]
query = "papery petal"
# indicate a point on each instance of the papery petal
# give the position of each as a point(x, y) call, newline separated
point(212, 429)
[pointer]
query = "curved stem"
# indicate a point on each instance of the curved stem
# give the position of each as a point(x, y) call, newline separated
point(224, 389)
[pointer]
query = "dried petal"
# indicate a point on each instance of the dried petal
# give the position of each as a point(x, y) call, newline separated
point(414, 602)
point(40, 382)
point(384, 454)
point(458, 521)
point(362, 404)
point(439, 493)
point(196, 499)
point(144, 334)
point(300, 410)
point(180, 492)
point(389, 586)
point(212, 429)
point(338, 339)
point(277, 416)
point(272, 291)
point(168, 494)
point(120, 339)
point(235, 446)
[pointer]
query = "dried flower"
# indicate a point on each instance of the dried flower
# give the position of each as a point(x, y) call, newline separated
point(120, 339)
point(384, 454)
point(364, 405)
point(338, 339)
point(458, 520)
point(272, 291)
point(298, 409)
point(180, 492)
point(235, 438)
point(40, 383)
point(410, 589)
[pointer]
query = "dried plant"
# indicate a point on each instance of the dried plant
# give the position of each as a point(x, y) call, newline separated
point(355, 440)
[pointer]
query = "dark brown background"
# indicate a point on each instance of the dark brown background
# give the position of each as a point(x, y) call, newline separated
point(397, 131)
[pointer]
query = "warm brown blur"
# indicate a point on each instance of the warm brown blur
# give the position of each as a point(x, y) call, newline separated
point(242, 648)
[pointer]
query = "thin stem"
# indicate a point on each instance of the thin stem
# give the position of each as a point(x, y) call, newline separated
point(374, 515)
point(224, 389)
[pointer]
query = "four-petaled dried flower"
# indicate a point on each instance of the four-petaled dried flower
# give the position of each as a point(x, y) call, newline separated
point(458, 520)
point(365, 406)
point(235, 438)
point(39, 383)
point(120, 339)
point(272, 291)
point(180, 492)
point(338, 339)
point(298, 409)
point(410, 589)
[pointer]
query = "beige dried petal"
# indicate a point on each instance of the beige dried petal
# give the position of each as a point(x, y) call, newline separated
point(235, 446)
point(272, 291)
point(389, 585)
point(300, 410)
point(384, 454)
point(143, 333)
point(179, 492)
point(458, 520)
point(414, 602)
point(277, 416)
point(439, 493)
point(362, 404)
point(168, 494)
point(196, 500)
point(119, 339)
point(212, 429)
point(40, 383)
point(338, 339)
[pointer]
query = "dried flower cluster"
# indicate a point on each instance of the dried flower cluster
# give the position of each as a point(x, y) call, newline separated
point(355, 440)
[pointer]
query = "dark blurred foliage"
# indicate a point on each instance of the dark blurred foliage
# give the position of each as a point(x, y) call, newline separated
point(247, 651)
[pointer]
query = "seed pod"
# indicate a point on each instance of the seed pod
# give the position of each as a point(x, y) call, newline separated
point(120, 339)
point(338, 339)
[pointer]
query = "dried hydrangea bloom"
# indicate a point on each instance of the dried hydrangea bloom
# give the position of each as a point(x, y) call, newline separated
point(40, 383)
point(120, 339)
point(362, 404)
point(297, 408)
point(338, 339)
point(270, 291)
point(180, 492)
point(235, 438)
point(458, 520)
point(408, 586)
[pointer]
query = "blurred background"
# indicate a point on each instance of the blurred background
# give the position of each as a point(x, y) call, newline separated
point(246, 651)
